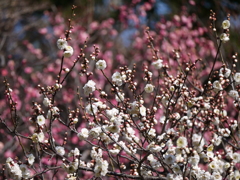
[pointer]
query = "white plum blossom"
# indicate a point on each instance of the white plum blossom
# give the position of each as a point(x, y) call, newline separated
point(71, 167)
point(152, 132)
point(101, 167)
point(142, 111)
point(213, 165)
point(105, 138)
point(154, 163)
point(119, 97)
point(174, 177)
point(170, 159)
point(75, 120)
point(225, 72)
point(68, 51)
point(194, 160)
point(176, 169)
point(234, 125)
point(149, 74)
point(60, 150)
point(26, 173)
point(149, 88)
point(216, 139)
point(38, 137)
point(13, 169)
point(225, 132)
point(158, 64)
point(114, 136)
point(236, 77)
point(129, 150)
point(61, 44)
point(71, 176)
point(217, 85)
point(236, 157)
point(83, 134)
point(226, 24)
point(130, 135)
point(54, 111)
point(31, 159)
point(198, 141)
point(182, 142)
point(95, 132)
point(46, 102)
point(112, 112)
point(235, 175)
point(40, 120)
point(234, 94)
point(89, 87)
point(74, 153)
point(101, 64)
point(114, 151)
point(96, 153)
point(117, 78)
point(154, 147)
point(224, 37)
point(93, 108)
point(203, 175)
point(134, 108)
point(114, 127)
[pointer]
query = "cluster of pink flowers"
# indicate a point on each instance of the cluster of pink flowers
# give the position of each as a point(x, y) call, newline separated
point(96, 115)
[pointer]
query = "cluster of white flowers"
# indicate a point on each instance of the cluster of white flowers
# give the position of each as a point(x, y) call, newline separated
point(115, 123)
point(63, 45)
point(101, 166)
point(154, 162)
point(93, 108)
point(16, 171)
point(127, 126)
point(225, 37)
point(154, 148)
point(130, 135)
point(128, 149)
point(13, 169)
point(137, 108)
